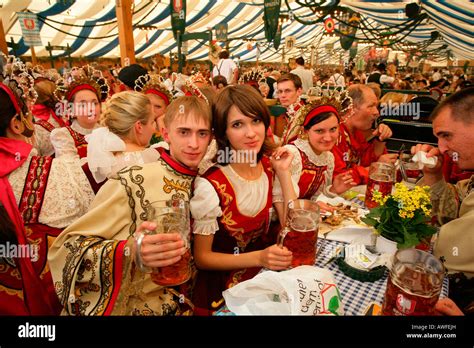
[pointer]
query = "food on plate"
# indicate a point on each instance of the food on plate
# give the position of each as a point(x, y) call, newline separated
point(340, 212)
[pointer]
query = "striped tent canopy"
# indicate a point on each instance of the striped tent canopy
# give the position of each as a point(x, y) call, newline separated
point(90, 27)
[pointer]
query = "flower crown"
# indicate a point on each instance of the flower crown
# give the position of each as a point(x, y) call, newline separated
point(39, 73)
point(14, 75)
point(194, 89)
point(252, 77)
point(19, 85)
point(198, 78)
point(153, 83)
point(78, 79)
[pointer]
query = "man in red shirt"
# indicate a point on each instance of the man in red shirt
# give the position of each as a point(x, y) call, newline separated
point(352, 151)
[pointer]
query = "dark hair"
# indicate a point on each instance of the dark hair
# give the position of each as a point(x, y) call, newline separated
point(224, 54)
point(299, 61)
point(7, 112)
point(461, 105)
point(291, 77)
point(320, 118)
point(219, 79)
point(250, 103)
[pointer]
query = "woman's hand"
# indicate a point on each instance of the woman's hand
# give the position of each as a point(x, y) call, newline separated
point(275, 258)
point(342, 182)
point(281, 159)
point(162, 249)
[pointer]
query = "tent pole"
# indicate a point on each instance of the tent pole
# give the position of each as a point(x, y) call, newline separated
point(33, 56)
point(123, 9)
point(3, 39)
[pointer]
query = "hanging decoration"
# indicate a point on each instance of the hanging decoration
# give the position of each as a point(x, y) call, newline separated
point(329, 25)
point(271, 10)
point(178, 16)
point(348, 31)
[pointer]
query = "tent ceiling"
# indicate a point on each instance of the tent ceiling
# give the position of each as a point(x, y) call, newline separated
point(90, 27)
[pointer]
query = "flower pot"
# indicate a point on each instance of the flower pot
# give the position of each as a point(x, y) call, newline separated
point(385, 246)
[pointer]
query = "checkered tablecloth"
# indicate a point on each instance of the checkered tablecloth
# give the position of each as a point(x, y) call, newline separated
point(356, 295)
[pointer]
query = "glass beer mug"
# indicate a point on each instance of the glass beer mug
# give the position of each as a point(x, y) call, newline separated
point(381, 178)
point(171, 216)
point(414, 283)
point(300, 233)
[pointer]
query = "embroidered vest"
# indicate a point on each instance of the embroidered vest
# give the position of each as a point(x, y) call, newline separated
point(45, 124)
point(312, 176)
point(237, 233)
point(79, 142)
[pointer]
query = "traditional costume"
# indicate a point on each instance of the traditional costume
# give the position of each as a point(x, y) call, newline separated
point(41, 196)
point(70, 141)
point(91, 261)
point(237, 212)
point(353, 152)
point(453, 206)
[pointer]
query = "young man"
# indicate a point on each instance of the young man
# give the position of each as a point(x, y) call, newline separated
point(227, 68)
point(352, 151)
point(453, 205)
point(289, 89)
point(92, 260)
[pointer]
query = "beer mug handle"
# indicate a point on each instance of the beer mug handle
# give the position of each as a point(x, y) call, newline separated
point(138, 255)
point(281, 236)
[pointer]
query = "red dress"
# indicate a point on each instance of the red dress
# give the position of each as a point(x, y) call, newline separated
point(352, 152)
point(235, 231)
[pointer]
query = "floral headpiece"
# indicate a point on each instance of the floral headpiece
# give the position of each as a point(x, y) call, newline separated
point(252, 77)
point(198, 78)
point(18, 84)
point(153, 84)
point(39, 73)
point(80, 79)
point(336, 101)
point(194, 90)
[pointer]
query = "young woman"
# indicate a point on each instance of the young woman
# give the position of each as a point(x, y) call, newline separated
point(232, 201)
point(312, 167)
point(39, 196)
point(81, 101)
point(152, 85)
point(129, 124)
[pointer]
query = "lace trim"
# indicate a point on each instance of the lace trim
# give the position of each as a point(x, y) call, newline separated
point(320, 160)
point(78, 128)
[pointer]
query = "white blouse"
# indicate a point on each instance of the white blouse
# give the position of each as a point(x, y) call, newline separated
point(251, 197)
point(326, 158)
point(68, 192)
point(63, 142)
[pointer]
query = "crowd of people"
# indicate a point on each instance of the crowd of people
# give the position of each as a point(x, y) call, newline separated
point(85, 153)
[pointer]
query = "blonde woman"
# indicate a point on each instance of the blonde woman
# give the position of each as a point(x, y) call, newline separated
point(128, 124)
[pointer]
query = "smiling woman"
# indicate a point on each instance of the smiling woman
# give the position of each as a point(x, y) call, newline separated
point(232, 201)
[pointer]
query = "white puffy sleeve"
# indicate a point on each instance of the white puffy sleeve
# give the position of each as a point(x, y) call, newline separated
point(295, 171)
point(205, 208)
point(63, 143)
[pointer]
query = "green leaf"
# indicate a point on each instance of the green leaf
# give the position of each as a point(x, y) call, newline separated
point(334, 305)
point(369, 220)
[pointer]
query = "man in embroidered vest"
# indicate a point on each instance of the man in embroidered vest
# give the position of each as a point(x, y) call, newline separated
point(453, 205)
point(92, 261)
point(39, 196)
point(352, 151)
point(289, 90)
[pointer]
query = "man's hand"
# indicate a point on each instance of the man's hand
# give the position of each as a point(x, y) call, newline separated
point(382, 132)
point(162, 249)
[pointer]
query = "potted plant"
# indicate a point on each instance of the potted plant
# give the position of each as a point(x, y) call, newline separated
point(403, 217)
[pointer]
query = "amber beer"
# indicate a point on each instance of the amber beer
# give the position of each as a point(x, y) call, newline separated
point(172, 216)
point(301, 240)
point(175, 274)
point(414, 284)
point(301, 231)
point(381, 177)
